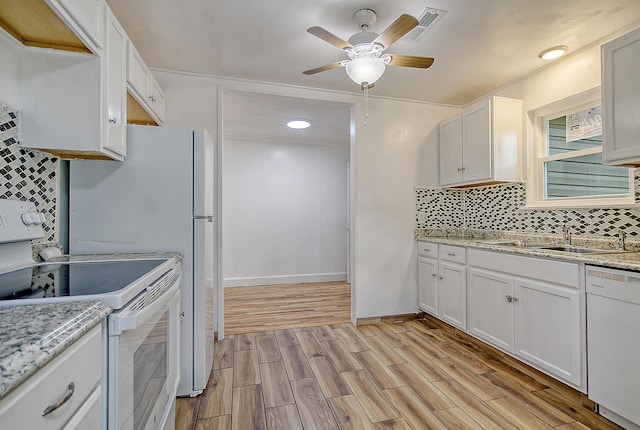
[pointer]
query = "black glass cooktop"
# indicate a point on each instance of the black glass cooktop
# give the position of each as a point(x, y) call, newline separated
point(72, 279)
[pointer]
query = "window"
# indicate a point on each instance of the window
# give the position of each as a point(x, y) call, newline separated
point(567, 167)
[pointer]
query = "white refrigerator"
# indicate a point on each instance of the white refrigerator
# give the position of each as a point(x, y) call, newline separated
point(161, 198)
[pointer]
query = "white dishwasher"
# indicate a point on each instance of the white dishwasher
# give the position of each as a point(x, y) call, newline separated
point(613, 343)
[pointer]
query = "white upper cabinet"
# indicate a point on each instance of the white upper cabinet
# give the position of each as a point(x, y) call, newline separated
point(115, 88)
point(74, 96)
point(620, 96)
point(69, 25)
point(482, 145)
point(148, 98)
point(74, 105)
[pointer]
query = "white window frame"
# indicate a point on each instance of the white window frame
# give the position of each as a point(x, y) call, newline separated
point(537, 136)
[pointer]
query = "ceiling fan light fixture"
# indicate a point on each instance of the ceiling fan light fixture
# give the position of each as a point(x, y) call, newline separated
point(298, 124)
point(365, 70)
point(553, 52)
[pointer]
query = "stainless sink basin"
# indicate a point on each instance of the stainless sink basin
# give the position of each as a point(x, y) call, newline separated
point(580, 250)
point(516, 243)
point(551, 247)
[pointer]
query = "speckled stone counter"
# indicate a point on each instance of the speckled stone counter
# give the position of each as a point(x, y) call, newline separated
point(474, 239)
point(32, 335)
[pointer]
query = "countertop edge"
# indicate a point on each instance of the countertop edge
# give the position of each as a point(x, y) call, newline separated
point(33, 356)
point(623, 261)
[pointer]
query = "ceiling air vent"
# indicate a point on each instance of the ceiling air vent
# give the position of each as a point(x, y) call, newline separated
point(427, 19)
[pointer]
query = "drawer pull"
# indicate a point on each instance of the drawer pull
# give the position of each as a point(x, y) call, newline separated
point(451, 254)
point(70, 389)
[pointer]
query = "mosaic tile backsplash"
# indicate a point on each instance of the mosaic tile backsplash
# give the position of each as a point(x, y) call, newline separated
point(27, 175)
point(502, 208)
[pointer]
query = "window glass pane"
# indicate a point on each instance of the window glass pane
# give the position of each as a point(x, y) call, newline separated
point(557, 138)
point(584, 176)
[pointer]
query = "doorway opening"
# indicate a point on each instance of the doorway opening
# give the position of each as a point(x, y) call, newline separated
point(285, 212)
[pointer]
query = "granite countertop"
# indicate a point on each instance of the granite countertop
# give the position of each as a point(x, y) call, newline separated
point(473, 239)
point(32, 335)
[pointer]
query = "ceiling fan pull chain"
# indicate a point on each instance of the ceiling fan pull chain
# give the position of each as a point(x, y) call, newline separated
point(365, 89)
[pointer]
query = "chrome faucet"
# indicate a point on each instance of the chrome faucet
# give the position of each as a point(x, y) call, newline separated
point(566, 234)
point(621, 235)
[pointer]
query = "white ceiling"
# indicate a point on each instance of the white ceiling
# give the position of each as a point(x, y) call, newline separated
point(263, 117)
point(479, 45)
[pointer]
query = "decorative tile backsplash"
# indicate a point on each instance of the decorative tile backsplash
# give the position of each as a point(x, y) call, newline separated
point(27, 175)
point(502, 208)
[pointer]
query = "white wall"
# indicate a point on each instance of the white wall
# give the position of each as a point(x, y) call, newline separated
point(285, 212)
point(8, 71)
point(396, 151)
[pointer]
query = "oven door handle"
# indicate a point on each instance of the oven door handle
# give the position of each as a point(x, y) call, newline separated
point(130, 320)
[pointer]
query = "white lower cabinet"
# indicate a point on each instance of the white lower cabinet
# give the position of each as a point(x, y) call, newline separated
point(442, 288)
point(490, 314)
point(428, 285)
point(530, 308)
point(69, 384)
point(547, 325)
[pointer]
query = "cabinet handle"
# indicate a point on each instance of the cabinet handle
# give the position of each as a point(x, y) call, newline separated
point(433, 274)
point(70, 389)
point(153, 99)
point(113, 121)
point(509, 298)
point(515, 300)
point(461, 169)
point(440, 277)
point(451, 254)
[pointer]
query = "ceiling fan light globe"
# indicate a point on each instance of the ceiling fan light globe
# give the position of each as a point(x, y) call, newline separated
point(365, 70)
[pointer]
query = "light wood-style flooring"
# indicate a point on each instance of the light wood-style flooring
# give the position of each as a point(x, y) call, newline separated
point(412, 375)
point(272, 307)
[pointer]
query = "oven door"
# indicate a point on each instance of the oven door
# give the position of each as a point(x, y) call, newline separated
point(143, 363)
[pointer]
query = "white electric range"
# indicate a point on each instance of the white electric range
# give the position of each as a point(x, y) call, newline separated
point(141, 345)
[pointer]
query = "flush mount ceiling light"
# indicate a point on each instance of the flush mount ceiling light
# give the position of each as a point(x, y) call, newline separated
point(554, 52)
point(298, 124)
point(365, 49)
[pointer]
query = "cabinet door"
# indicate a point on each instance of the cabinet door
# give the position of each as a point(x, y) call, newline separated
point(476, 142)
point(115, 87)
point(621, 92)
point(428, 285)
point(450, 144)
point(547, 322)
point(156, 98)
point(137, 74)
point(490, 308)
point(452, 294)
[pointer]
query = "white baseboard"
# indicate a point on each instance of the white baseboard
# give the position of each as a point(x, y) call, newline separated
point(283, 279)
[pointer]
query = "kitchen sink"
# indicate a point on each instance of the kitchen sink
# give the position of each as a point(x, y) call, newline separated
point(517, 244)
point(552, 247)
point(581, 250)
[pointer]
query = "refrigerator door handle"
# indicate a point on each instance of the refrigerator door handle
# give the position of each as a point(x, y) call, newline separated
point(208, 218)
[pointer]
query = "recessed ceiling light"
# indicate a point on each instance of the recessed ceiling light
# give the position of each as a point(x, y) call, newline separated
point(554, 52)
point(298, 124)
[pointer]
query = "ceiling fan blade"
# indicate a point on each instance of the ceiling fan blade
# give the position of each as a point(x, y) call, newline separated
point(401, 26)
point(329, 37)
point(322, 69)
point(409, 61)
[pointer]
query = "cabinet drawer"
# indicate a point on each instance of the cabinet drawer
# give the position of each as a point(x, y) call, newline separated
point(557, 272)
point(81, 364)
point(427, 249)
point(455, 254)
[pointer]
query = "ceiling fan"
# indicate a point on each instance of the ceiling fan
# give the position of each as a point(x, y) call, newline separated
point(367, 62)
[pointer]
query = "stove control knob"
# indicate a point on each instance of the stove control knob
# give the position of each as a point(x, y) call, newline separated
point(31, 218)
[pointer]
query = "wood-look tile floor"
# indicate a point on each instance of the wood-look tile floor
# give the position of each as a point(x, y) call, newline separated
point(411, 375)
point(271, 307)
